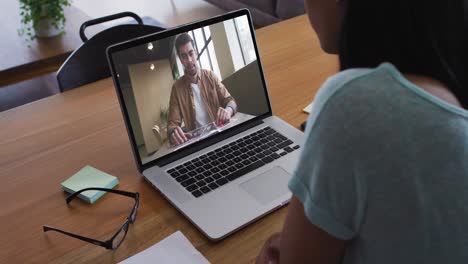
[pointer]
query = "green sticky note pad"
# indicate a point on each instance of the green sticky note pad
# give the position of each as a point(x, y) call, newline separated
point(89, 177)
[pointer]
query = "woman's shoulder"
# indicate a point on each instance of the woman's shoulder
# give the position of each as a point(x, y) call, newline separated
point(350, 89)
point(383, 88)
point(356, 80)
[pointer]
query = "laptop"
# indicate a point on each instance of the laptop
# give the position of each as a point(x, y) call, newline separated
point(200, 122)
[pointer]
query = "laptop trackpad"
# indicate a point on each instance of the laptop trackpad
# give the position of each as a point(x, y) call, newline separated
point(268, 186)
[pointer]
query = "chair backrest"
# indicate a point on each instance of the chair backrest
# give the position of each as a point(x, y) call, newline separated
point(88, 63)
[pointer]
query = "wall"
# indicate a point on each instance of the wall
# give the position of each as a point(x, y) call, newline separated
point(129, 98)
point(151, 89)
point(246, 87)
point(222, 50)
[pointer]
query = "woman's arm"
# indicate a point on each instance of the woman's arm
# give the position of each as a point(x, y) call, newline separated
point(301, 241)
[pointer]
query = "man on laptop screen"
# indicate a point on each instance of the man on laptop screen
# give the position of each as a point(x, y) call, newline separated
point(185, 88)
point(198, 98)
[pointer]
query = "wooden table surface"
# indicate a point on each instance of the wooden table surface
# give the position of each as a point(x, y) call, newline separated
point(43, 143)
point(22, 59)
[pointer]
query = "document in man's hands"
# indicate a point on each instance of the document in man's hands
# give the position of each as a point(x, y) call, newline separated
point(174, 249)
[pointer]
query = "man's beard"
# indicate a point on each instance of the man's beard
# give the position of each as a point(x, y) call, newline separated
point(194, 71)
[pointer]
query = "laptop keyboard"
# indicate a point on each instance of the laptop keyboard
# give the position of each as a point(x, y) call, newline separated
point(222, 165)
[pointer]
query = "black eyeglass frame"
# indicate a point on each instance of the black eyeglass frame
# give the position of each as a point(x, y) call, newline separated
point(108, 244)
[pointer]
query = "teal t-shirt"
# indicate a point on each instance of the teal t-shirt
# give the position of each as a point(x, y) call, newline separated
point(385, 166)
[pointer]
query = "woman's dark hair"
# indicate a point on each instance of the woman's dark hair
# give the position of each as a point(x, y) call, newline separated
point(419, 37)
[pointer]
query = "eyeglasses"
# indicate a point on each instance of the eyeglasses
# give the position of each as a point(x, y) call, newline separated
point(115, 241)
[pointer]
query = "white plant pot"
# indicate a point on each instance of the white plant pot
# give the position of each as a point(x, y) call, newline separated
point(45, 29)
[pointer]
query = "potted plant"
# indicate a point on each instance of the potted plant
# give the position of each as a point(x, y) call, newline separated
point(164, 114)
point(43, 18)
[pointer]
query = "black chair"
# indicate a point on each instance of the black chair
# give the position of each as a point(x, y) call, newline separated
point(88, 63)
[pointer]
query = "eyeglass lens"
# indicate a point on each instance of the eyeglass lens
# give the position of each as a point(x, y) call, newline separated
point(120, 236)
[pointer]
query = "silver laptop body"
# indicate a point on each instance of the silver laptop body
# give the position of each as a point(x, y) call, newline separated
point(216, 207)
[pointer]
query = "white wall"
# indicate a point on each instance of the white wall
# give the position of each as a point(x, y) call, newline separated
point(151, 89)
point(222, 50)
point(132, 114)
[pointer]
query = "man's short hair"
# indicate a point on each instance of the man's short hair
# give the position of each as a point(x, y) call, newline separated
point(181, 40)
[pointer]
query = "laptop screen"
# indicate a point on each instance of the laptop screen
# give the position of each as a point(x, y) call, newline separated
point(189, 86)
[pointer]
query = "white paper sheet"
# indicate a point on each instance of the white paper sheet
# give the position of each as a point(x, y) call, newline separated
point(308, 108)
point(174, 249)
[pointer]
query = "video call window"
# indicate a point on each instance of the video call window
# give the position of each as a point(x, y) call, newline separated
point(182, 89)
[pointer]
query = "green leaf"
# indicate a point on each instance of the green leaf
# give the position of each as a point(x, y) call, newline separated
point(31, 13)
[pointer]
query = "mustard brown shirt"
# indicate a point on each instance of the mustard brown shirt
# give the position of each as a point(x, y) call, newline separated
point(181, 104)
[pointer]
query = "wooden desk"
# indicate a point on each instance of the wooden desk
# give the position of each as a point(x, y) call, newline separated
point(43, 143)
point(19, 62)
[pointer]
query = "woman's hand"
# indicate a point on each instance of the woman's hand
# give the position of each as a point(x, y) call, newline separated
point(270, 251)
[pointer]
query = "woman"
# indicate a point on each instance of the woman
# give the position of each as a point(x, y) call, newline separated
point(383, 176)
